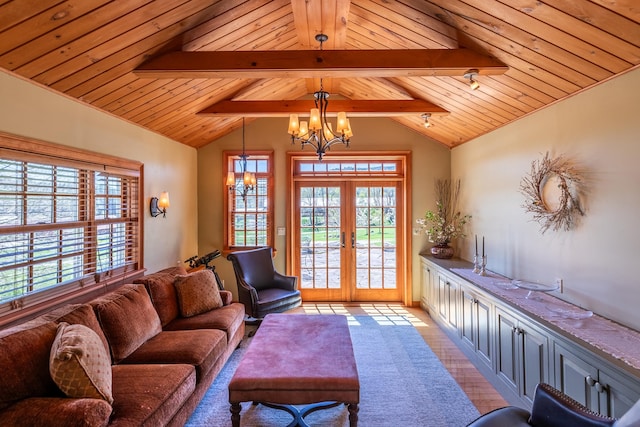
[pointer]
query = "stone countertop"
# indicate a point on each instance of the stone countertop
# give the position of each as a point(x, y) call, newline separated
point(616, 342)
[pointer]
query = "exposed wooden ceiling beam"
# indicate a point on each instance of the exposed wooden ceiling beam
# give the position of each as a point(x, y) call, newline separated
point(354, 108)
point(318, 63)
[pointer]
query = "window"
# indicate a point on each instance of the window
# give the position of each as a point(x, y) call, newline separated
point(66, 221)
point(249, 214)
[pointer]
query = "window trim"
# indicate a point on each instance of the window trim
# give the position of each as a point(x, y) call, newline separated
point(228, 157)
point(33, 150)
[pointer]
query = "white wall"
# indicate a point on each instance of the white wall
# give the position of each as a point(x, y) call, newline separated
point(430, 160)
point(32, 111)
point(599, 130)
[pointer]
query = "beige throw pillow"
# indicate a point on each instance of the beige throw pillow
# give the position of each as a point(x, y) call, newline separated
point(197, 293)
point(79, 364)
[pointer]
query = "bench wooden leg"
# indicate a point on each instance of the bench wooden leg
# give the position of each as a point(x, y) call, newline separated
point(235, 414)
point(353, 414)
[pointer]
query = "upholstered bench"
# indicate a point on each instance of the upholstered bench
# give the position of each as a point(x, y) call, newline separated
point(298, 359)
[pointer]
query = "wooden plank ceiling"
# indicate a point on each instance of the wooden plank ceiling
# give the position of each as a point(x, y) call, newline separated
point(89, 49)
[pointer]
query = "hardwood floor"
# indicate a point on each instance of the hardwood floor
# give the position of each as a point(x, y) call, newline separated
point(478, 389)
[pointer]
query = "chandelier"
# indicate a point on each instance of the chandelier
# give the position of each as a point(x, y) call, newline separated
point(248, 182)
point(318, 132)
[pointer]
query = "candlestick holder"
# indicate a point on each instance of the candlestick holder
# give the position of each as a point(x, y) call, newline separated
point(483, 266)
point(476, 264)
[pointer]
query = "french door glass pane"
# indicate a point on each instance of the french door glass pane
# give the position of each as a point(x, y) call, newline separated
point(375, 237)
point(320, 237)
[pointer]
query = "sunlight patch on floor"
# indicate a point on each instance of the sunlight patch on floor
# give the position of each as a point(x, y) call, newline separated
point(384, 314)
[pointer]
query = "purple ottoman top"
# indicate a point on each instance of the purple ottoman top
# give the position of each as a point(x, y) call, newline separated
point(298, 359)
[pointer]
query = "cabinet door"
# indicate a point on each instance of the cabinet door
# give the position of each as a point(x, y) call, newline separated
point(616, 395)
point(443, 297)
point(448, 301)
point(468, 324)
point(452, 303)
point(484, 346)
point(522, 355)
point(475, 324)
point(575, 377)
point(534, 359)
point(507, 350)
point(429, 289)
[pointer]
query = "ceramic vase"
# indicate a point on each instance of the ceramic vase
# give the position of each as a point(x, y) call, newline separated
point(442, 251)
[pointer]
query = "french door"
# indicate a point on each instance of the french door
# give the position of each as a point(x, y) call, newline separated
point(348, 244)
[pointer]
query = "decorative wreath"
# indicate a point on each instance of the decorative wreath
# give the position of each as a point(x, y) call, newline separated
point(569, 181)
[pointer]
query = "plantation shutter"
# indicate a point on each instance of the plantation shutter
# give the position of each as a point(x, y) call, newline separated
point(65, 222)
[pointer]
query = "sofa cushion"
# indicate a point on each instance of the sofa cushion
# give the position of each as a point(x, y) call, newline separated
point(24, 357)
point(228, 319)
point(37, 412)
point(81, 314)
point(128, 319)
point(197, 293)
point(201, 348)
point(227, 297)
point(79, 363)
point(162, 292)
point(150, 395)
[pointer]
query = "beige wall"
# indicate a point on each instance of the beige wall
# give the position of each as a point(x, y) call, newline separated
point(430, 160)
point(599, 130)
point(32, 111)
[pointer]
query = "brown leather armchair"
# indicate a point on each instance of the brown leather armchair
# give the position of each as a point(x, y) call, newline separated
point(261, 288)
point(551, 408)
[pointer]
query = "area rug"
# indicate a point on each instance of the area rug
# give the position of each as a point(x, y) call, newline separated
point(402, 383)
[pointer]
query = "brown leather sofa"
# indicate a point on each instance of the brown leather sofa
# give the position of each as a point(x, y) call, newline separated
point(551, 408)
point(162, 363)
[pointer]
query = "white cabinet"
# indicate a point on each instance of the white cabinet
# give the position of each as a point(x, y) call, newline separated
point(476, 326)
point(522, 354)
point(588, 381)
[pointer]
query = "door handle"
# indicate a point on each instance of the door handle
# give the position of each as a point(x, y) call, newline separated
point(343, 239)
point(353, 239)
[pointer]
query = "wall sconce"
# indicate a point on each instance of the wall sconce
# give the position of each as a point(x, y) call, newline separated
point(426, 117)
point(471, 75)
point(159, 205)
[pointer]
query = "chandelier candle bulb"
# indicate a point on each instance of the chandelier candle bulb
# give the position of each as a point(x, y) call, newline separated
point(314, 120)
point(231, 178)
point(328, 131)
point(304, 129)
point(342, 122)
point(347, 132)
point(246, 178)
point(294, 125)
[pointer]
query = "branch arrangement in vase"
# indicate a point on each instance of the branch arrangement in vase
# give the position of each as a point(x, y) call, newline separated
point(446, 222)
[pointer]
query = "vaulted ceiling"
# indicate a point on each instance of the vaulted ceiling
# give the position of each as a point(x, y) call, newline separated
point(124, 57)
